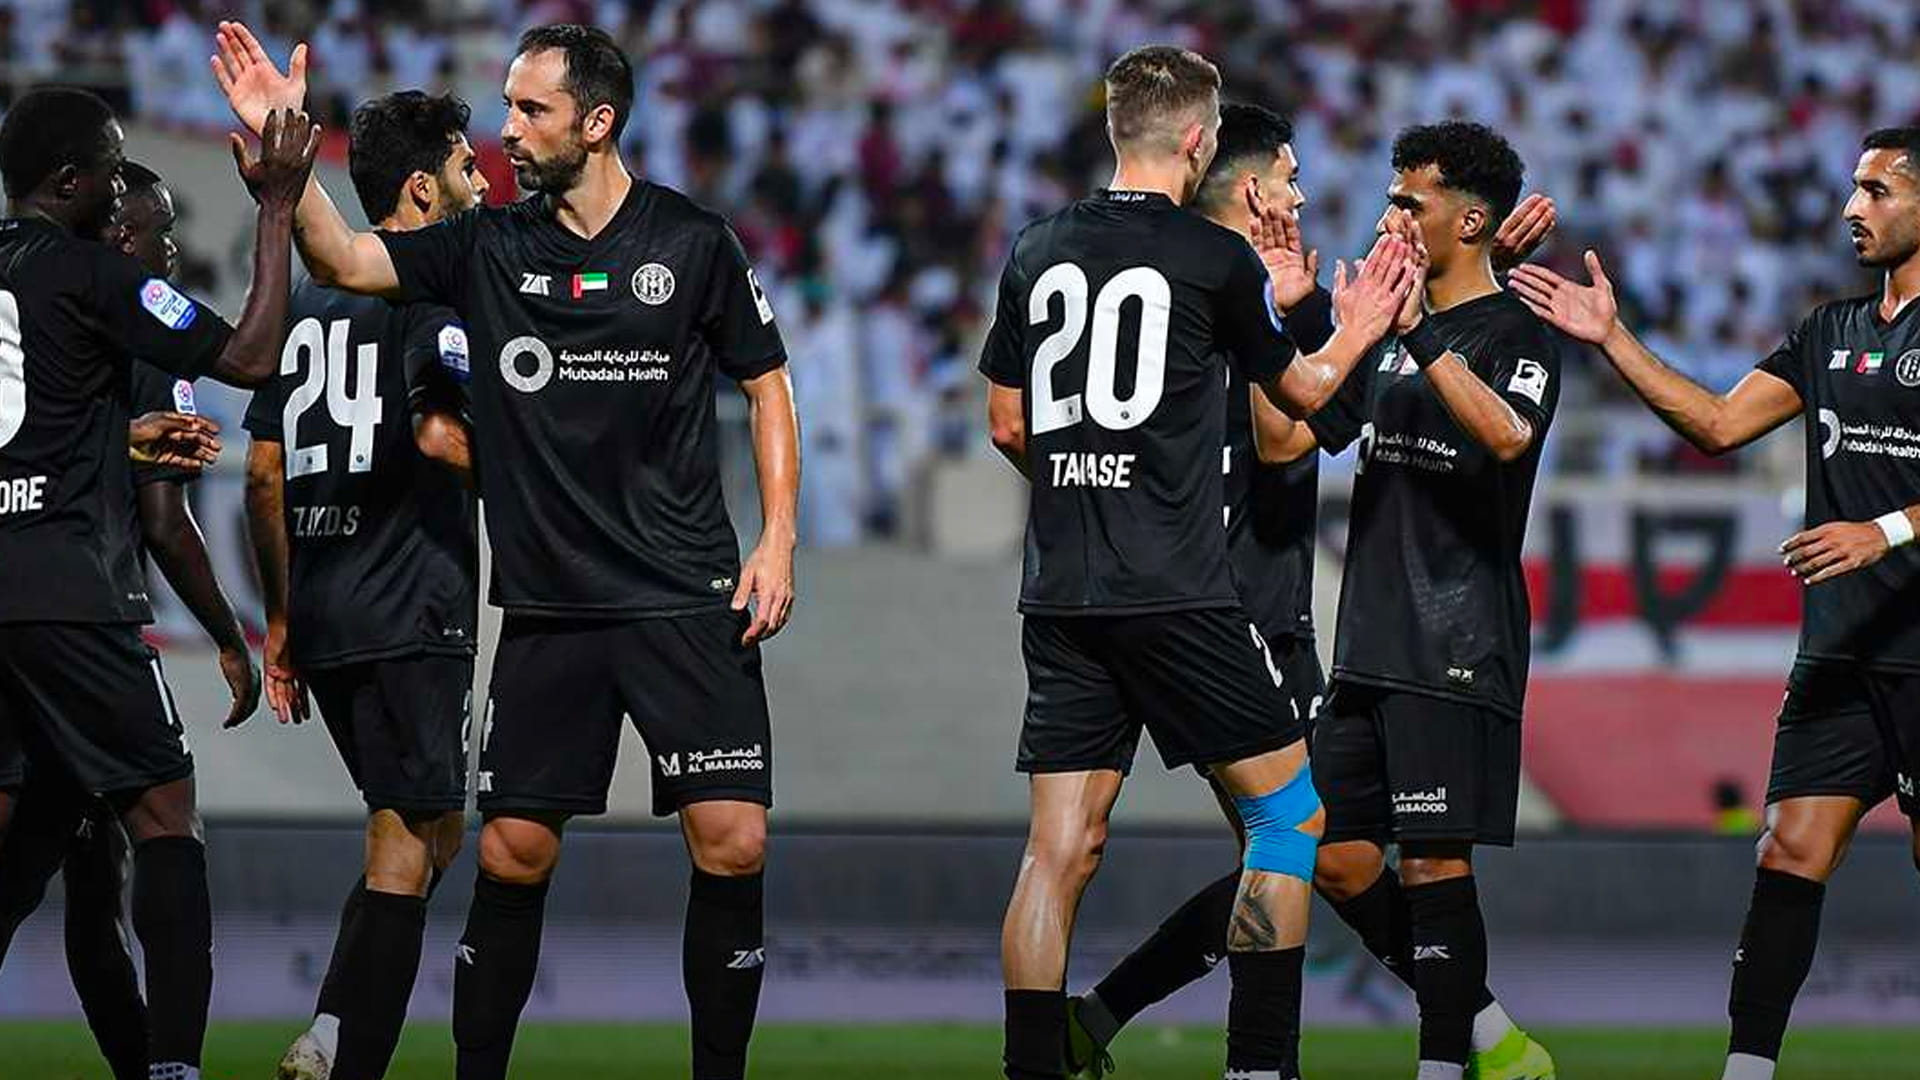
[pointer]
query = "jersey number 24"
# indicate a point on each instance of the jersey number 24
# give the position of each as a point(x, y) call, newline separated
point(1100, 399)
point(324, 351)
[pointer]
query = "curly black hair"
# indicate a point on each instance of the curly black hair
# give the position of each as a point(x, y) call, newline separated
point(1249, 137)
point(395, 136)
point(1472, 158)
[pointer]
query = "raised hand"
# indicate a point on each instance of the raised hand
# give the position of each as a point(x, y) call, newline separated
point(1414, 308)
point(288, 143)
point(1585, 312)
point(1518, 237)
point(1368, 304)
point(253, 86)
point(1292, 271)
point(175, 440)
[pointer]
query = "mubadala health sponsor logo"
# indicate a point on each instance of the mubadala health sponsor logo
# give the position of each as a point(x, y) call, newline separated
point(1421, 802)
point(529, 364)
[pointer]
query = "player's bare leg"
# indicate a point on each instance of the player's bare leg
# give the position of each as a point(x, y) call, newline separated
point(173, 918)
point(500, 949)
point(1066, 835)
point(1266, 940)
point(1805, 841)
point(722, 957)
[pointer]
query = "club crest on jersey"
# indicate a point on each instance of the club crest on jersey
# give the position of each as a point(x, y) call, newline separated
point(167, 304)
point(183, 398)
point(653, 284)
point(1907, 368)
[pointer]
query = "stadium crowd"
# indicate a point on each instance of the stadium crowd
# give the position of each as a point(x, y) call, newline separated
point(876, 155)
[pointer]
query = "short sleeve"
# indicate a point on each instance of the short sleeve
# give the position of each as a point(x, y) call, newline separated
point(263, 418)
point(433, 264)
point(154, 390)
point(1246, 327)
point(437, 362)
point(147, 317)
point(1788, 362)
point(1342, 418)
point(1526, 372)
point(1002, 358)
point(737, 318)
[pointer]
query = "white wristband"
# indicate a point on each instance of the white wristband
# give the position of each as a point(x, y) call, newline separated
point(1897, 527)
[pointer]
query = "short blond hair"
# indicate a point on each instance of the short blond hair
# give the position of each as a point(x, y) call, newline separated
point(1154, 92)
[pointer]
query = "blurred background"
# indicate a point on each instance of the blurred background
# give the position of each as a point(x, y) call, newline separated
point(877, 156)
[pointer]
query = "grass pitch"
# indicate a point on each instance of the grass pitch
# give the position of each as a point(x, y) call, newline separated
point(64, 1051)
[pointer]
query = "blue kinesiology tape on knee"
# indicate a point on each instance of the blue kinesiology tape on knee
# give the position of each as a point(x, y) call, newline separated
point(1275, 843)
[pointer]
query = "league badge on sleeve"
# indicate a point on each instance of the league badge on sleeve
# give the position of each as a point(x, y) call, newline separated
point(1529, 381)
point(453, 352)
point(760, 303)
point(183, 398)
point(174, 309)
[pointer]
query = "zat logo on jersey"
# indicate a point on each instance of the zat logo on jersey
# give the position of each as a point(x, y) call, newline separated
point(653, 284)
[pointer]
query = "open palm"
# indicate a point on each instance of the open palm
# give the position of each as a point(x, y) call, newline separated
point(1586, 312)
point(1275, 234)
point(247, 76)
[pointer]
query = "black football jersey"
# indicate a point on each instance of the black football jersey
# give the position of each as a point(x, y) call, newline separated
point(1433, 599)
point(383, 554)
point(1120, 318)
point(1859, 384)
point(159, 391)
point(1273, 511)
point(73, 313)
point(594, 365)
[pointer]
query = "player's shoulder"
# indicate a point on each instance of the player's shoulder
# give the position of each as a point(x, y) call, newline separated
point(1504, 314)
point(1836, 314)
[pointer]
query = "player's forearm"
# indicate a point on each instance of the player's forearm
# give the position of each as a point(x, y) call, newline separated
point(267, 528)
point(180, 551)
point(1484, 415)
point(334, 254)
point(1691, 410)
point(1311, 381)
point(1277, 438)
point(253, 352)
point(776, 454)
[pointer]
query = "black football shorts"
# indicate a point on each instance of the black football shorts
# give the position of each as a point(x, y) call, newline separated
point(1848, 731)
point(400, 725)
point(1203, 683)
point(561, 688)
point(93, 696)
point(1394, 765)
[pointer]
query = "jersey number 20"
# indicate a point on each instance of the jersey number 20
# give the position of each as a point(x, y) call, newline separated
point(325, 352)
point(1102, 400)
